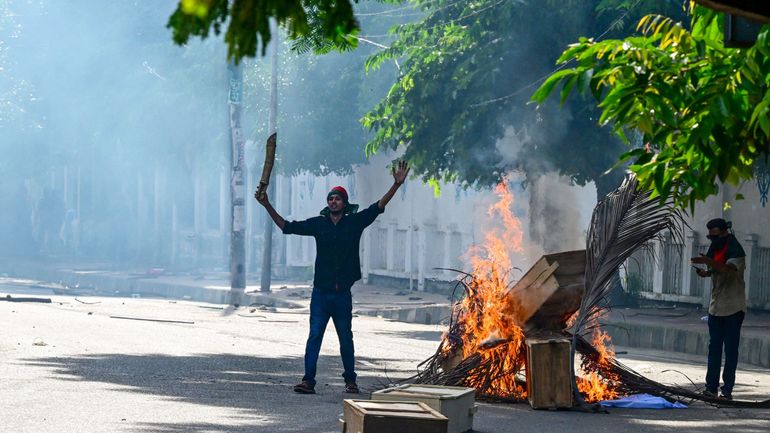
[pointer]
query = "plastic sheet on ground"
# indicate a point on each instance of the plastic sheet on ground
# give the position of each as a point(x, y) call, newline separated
point(643, 401)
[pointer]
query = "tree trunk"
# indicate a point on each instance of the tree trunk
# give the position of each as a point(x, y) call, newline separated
point(267, 253)
point(237, 191)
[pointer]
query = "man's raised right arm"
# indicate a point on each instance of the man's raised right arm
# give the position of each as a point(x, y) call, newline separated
point(277, 218)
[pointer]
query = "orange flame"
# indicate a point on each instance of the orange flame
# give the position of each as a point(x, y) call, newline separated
point(599, 384)
point(490, 327)
point(500, 242)
point(488, 330)
point(594, 388)
point(603, 343)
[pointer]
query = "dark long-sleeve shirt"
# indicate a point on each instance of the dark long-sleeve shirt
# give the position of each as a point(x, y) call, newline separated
point(337, 263)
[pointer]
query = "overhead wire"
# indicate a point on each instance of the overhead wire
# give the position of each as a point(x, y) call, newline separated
point(440, 24)
point(391, 12)
point(367, 39)
point(558, 68)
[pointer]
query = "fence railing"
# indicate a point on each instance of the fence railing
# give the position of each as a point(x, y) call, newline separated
point(672, 268)
point(415, 253)
point(760, 276)
point(667, 274)
point(699, 286)
point(640, 269)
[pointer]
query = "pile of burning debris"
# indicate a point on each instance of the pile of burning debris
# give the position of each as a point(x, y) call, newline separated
point(561, 298)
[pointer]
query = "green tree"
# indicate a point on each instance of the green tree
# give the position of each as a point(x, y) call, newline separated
point(701, 108)
point(320, 104)
point(322, 98)
point(457, 99)
point(325, 22)
point(460, 107)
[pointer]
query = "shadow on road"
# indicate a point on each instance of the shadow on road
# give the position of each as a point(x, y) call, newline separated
point(260, 387)
point(414, 335)
point(698, 418)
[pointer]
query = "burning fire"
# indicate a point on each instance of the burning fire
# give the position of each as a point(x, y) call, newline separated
point(592, 385)
point(594, 388)
point(500, 242)
point(603, 343)
point(486, 329)
point(487, 325)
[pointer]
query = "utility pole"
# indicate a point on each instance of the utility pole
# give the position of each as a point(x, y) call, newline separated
point(267, 252)
point(237, 187)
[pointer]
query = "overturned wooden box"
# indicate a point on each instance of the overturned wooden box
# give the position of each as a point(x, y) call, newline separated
point(454, 402)
point(368, 416)
point(549, 375)
point(550, 292)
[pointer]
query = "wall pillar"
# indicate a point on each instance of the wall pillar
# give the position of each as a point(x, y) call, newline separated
point(390, 243)
point(688, 252)
point(749, 246)
point(174, 234)
point(421, 251)
point(657, 268)
point(224, 220)
point(140, 202)
point(447, 259)
point(199, 215)
point(157, 192)
point(248, 234)
point(159, 245)
point(408, 258)
point(66, 193)
point(366, 263)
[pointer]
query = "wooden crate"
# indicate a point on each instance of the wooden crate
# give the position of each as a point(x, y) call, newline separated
point(550, 291)
point(454, 402)
point(549, 378)
point(368, 416)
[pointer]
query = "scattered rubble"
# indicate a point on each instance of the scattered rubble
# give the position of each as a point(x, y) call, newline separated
point(10, 298)
point(153, 320)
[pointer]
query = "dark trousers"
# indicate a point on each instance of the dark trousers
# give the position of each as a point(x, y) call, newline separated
point(337, 306)
point(724, 332)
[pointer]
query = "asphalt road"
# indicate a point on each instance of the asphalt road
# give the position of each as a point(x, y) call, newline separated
point(71, 367)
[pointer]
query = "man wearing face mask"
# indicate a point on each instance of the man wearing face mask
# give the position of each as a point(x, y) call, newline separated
point(726, 262)
point(337, 234)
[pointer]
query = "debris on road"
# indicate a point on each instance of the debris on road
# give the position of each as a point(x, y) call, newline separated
point(9, 298)
point(88, 303)
point(152, 320)
point(210, 307)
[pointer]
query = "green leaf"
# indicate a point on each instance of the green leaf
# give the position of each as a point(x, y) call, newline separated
point(568, 85)
point(547, 87)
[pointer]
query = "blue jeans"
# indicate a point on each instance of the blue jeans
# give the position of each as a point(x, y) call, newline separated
point(724, 331)
point(339, 307)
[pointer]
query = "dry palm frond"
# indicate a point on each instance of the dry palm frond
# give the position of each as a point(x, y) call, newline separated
point(629, 381)
point(622, 223)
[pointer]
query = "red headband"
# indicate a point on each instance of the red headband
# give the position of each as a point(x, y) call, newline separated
point(339, 191)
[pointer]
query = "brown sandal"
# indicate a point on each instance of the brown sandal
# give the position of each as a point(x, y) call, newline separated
point(304, 388)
